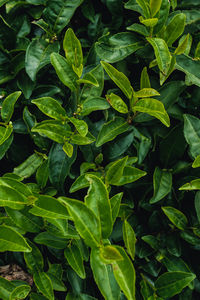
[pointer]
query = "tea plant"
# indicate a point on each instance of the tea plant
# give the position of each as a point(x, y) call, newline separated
point(99, 149)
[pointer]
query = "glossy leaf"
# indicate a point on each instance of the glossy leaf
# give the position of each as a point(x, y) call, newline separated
point(75, 260)
point(97, 200)
point(162, 182)
point(29, 166)
point(182, 45)
point(103, 276)
point(51, 240)
point(34, 259)
point(80, 125)
point(64, 71)
point(189, 66)
point(190, 186)
point(119, 79)
point(163, 15)
point(68, 149)
point(149, 22)
point(42, 174)
point(192, 133)
point(124, 273)
point(94, 104)
point(117, 103)
point(129, 238)
point(111, 129)
point(73, 51)
point(144, 79)
point(162, 53)
point(86, 222)
point(110, 254)
point(155, 7)
point(44, 285)
point(115, 171)
point(115, 202)
point(5, 133)
point(176, 217)
point(49, 207)
point(145, 8)
point(118, 46)
point(11, 240)
point(197, 205)
point(139, 28)
point(172, 283)
point(20, 292)
point(154, 108)
point(146, 93)
point(6, 288)
point(175, 28)
point(50, 107)
point(8, 106)
point(196, 163)
point(82, 140)
point(130, 174)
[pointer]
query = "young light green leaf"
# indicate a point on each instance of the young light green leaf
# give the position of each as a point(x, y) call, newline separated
point(162, 182)
point(20, 292)
point(73, 51)
point(182, 45)
point(11, 240)
point(149, 22)
point(97, 200)
point(162, 53)
point(175, 28)
point(163, 77)
point(115, 171)
point(139, 28)
point(49, 207)
point(86, 222)
point(155, 7)
point(12, 198)
point(90, 91)
point(111, 129)
point(68, 148)
point(176, 217)
point(154, 108)
point(119, 79)
point(8, 106)
point(43, 283)
point(124, 273)
point(145, 7)
point(190, 67)
point(88, 78)
point(163, 16)
point(5, 133)
point(190, 186)
point(51, 240)
point(146, 93)
point(54, 130)
point(103, 276)
point(196, 162)
point(6, 287)
point(93, 104)
point(115, 202)
point(64, 71)
point(129, 239)
point(192, 133)
point(78, 139)
point(50, 107)
point(170, 284)
point(110, 254)
point(144, 79)
point(130, 174)
point(80, 125)
point(74, 258)
point(29, 166)
point(117, 103)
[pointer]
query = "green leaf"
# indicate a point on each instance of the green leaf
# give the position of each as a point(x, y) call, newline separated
point(51, 240)
point(172, 283)
point(155, 6)
point(182, 47)
point(80, 125)
point(38, 55)
point(81, 182)
point(162, 53)
point(111, 129)
point(118, 46)
point(5, 133)
point(197, 205)
point(51, 108)
point(145, 7)
point(86, 222)
point(163, 16)
point(103, 276)
point(73, 51)
point(124, 273)
point(115, 171)
point(88, 78)
point(130, 174)
point(29, 166)
point(150, 22)
point(93, 104)
point(192, 133)
point(162, 182)
point(74, 258)
point(49, 207)
point(64, 71)
point(78, 139)
point(119, 79)
point(110, 254)
point(154, 108)
point(58, 13)
point(68, 148)
point(44, 285)
point(146, 93)
point(115, 202)
point(89, 91)
point(42, 174)
point(54, 130)
point(129, 238)
point(176, 217)
point(6, 287)
point(12, 198)
point(11, 240)
point(196, 162)
point(139, 28)
point(174, 29)
point(97, 200)
point(190, 186)
point(190, 67)
point(25, 220)
point(34, 259)
point(20, 292)
point(144, 79)
point(117, 103)
point(8, 106)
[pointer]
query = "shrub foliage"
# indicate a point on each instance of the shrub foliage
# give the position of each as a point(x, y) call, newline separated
point(100, 149)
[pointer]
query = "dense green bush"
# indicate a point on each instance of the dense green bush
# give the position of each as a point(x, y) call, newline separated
point(100, 149)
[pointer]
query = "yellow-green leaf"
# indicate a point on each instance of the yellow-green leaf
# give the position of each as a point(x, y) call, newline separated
point(117, 103)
